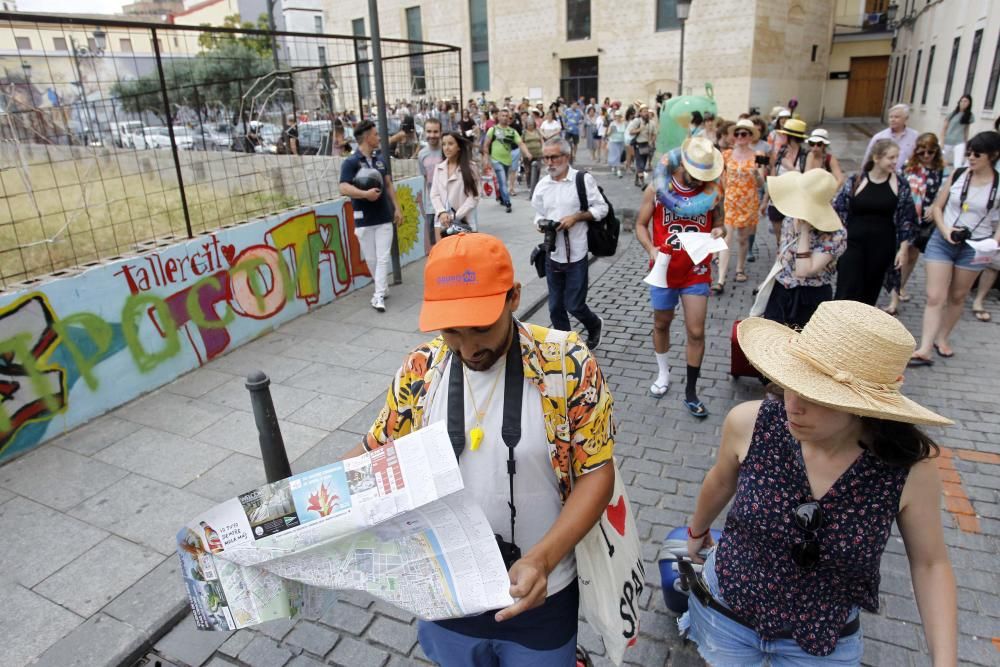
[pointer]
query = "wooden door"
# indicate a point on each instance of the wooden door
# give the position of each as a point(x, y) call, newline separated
point(866, 86)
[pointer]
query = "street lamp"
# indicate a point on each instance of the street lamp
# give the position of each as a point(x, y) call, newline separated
point(683, 9)
point(79, 52)
point(890, 14)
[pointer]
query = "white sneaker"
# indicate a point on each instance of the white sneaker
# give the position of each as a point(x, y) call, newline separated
point(378, 303)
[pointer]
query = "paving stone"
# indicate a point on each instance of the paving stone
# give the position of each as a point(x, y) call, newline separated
point(237, 432)
point(237, 642)
point(95, 435)
point(393, 611)
point(185, 642)
point(361, 385)
point(314, 638)
point(350, 652)
point(246, 360)
point(276, 629)
point(99, 575)
point(57, 477)
point(199, 382)
point(347, 617)
point(331, 448)
point(31, 623)
point(142, 510)
point(26, 526)
point(264, 652)
point(326, 412)
point(236, 474)
point(334, 353)
point(365, 417)
point(305, 661)
point(170, 412)
point(397, 636)
point(234, 394)
point(163, 456)
point(153, 601)
point(101, 640)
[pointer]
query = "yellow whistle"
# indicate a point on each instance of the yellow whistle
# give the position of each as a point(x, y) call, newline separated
point(476, 436)
point(965, 208)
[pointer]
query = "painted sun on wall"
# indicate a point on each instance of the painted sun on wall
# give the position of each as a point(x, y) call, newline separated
point(77, 347)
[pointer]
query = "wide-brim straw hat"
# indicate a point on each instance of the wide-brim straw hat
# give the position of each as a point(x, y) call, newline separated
point(745, 124)
point(849, 357)
point(701, 159)
point(819, 135)
point(807, 196)
point(794, 127)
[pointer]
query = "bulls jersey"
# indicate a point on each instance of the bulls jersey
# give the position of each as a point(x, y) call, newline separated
point(682, 272)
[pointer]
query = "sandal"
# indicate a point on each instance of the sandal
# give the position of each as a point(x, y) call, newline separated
point(696, 408)
point(982, 315)
point(942, 354)
point(741, 277)
point(718, 288)
point(917, 361)
point(904, 297)
point(658, 390)
point(890, 310)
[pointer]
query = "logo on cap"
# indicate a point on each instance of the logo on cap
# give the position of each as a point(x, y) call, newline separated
point(469, 278)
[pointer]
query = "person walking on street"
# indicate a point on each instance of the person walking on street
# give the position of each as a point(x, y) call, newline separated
point(685, 197)
point(455, 188)
point(905, 137)
point(556, 200)
point(955, 132)
point(501, 140)
point(820, 157)
point(616, 143)
point(877, 209)
point(533, 140)
point(787, 156)
point(817, 478)
point(491, 375)
point(966, 209)
point(742, 178)
point(642, 131)
point(574, 126)
point(364, 177)
point(924, 172)
point(428, 158)
point(551, 128)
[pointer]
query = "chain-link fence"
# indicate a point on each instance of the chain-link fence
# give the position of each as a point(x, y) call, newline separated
point(118, 136)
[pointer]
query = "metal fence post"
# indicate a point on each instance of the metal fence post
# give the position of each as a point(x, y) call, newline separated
point(272, 446)
point(170, 131)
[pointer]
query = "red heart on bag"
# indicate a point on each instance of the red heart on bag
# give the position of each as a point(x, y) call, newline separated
point(616, 515)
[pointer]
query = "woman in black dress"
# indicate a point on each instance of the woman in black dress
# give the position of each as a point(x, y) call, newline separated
point(877, 209)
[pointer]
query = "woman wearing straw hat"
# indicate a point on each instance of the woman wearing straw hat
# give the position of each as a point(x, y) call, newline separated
point(816, 479)
point(820, 157)
point(786, 157)
point(812, 238)
point(741, 180)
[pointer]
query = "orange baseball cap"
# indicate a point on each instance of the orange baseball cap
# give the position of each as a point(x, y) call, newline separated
point(466, 280)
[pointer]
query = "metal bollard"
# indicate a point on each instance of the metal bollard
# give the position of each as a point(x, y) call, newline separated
point(272, 446)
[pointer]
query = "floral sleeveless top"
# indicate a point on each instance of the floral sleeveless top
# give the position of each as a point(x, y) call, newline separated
point(757, 577)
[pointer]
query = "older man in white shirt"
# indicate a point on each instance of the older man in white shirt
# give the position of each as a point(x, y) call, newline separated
point(905, 137)
point(557, 199)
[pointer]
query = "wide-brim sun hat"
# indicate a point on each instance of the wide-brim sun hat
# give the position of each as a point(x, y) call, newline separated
point(745, 124)
point(701, 159)
point(794, 127)
point(849, 357)
point(819, 135)
point(807, 196)
point(782, 112)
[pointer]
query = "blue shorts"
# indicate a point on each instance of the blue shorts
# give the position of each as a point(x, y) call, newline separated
point(452, 649)
point(723, 642)
point(667, 298)
point(959, 254)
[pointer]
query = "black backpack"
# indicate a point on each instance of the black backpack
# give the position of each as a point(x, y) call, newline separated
point(602, 235)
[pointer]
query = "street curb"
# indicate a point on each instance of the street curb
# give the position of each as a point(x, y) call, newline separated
point(145, 648)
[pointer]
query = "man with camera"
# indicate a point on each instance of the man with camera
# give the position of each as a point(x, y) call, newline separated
point(504, 389)
point(364, 177)
point(558, 215)
point(498, 149)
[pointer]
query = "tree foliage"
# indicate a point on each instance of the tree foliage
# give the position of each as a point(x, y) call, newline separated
point(211, 41)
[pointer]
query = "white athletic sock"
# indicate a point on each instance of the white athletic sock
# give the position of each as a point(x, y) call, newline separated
point(663, 378)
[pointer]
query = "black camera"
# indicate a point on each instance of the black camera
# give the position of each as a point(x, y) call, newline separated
point(762, 161)
point(510, 552)
point(960, 234)
point(538, 255)
point(456, 227)
point(549, 228)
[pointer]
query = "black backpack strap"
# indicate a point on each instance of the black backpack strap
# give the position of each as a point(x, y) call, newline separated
point(456, 406)
point(581, 190)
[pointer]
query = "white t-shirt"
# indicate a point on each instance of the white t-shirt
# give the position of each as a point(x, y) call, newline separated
point(536, 493)
point(550, 128)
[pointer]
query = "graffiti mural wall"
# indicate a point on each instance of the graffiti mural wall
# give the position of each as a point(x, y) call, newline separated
point(74, 348)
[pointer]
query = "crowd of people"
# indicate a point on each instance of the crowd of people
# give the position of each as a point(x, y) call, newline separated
point(833, 439)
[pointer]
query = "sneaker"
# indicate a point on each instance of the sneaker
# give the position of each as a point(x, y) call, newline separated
point(378, 303)
point(594, 337)
point(508, 208)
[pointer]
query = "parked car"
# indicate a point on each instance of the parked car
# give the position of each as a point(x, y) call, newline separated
point(159, 137)
point(121, 133)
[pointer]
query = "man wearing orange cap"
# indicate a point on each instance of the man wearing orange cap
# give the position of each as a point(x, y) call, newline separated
point(499, 385)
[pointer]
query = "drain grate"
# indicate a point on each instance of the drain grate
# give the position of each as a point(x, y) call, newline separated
point(151, 659)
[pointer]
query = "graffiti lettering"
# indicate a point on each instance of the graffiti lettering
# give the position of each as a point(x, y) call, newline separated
point(153, 271)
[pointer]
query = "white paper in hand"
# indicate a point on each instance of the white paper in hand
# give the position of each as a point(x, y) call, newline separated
point(657, 276)
point(700, 245)
point(986, 251)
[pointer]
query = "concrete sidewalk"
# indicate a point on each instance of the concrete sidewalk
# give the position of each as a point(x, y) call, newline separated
point(89, 519)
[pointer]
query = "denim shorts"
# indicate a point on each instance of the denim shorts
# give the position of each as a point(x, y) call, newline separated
point(667, 298)
point(959, 254)
point(723, 642)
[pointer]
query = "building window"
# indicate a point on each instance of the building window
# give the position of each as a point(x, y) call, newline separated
point(916, 76)
point(318, 24)
point(479, 38)
point(125, 45)
point(951, 71)
point(927, 75)
point(59, 43)
point(414, 33)
point(890, 91)
point(577, 19)
point(321, 53)
point(666, 15)
point(970, 75)
point(92, 44)
point(902, 81)
point(814, 50)
point(991, 89)
point(361, 53)
point(23, 43)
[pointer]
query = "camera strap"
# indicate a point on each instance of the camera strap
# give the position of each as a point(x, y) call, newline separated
point(513, 392)
point(989, 202)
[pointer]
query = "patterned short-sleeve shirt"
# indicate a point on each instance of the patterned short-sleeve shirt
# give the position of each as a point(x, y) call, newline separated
point(828, 243)
point(580, 429)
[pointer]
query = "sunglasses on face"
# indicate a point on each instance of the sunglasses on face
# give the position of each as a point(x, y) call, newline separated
point(927, 151)
point(741, 133)
point(551, 158)
point(975, 154)
point(809, 519)
point(815, 143)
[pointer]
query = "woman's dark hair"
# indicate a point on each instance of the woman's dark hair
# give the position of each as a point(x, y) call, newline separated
point(986, 143)
point(630, 113)
point(697, 118)
point(897, 443)
point(967, 114)
point(926, 140)
point(464, 162)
